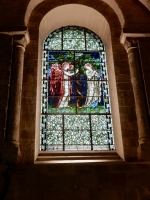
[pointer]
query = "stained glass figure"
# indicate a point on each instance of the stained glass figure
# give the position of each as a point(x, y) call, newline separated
point(75, 103)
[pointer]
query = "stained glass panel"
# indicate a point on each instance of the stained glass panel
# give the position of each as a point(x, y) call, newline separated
point(92, 44)
point(74, 44)
point(76, 122)
point(73, 34)
point(53, 41)
point(75, 102)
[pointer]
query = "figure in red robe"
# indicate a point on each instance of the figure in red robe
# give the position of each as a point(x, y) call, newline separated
point(60, 85)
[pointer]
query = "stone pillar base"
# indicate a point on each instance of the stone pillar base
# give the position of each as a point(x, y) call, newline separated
point(10, 153)
point(143, 151)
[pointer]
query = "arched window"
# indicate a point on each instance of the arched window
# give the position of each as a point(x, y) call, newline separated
point(75, 103)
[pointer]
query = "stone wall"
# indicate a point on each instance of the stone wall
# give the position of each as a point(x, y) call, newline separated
point(6, 51)
point(123, 181)
point(22, 179)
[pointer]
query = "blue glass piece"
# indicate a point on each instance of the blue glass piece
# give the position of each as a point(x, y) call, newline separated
point(94, 104)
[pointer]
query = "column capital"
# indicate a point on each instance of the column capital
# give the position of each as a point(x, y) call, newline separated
point(124, 36)
point(130, 43)
point(21, 38)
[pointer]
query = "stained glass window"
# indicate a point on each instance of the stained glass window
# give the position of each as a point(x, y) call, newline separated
point(75, 101)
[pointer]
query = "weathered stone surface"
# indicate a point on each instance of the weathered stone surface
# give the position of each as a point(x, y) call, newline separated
point(5, 73)
point(119, 182)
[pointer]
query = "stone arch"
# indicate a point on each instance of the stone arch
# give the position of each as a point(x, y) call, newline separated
point(146, 3)
point(118, 76)
point(112, 3)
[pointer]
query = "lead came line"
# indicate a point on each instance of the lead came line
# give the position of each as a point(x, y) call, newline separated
point(63, 132)
point(91, 132)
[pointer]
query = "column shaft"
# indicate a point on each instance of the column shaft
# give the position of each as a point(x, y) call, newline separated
point(143, 150)
point(139, 95)
point(15, 96)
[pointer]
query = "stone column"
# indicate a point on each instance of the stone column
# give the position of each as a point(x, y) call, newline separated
point(15, 95)
point(13, 121)
point(140, 99)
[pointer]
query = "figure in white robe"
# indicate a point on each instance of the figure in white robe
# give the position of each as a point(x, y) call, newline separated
point(93, 95)
point(66, 67)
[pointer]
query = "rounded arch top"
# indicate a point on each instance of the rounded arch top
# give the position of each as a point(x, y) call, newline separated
point(77, 15)
point(73, 38)
point(107, 28)
point(146, 3)
point(45, 6)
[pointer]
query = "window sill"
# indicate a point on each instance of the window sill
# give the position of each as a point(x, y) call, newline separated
point(53, 157)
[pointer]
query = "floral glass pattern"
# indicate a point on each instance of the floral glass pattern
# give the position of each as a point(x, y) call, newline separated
point(75, 102)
